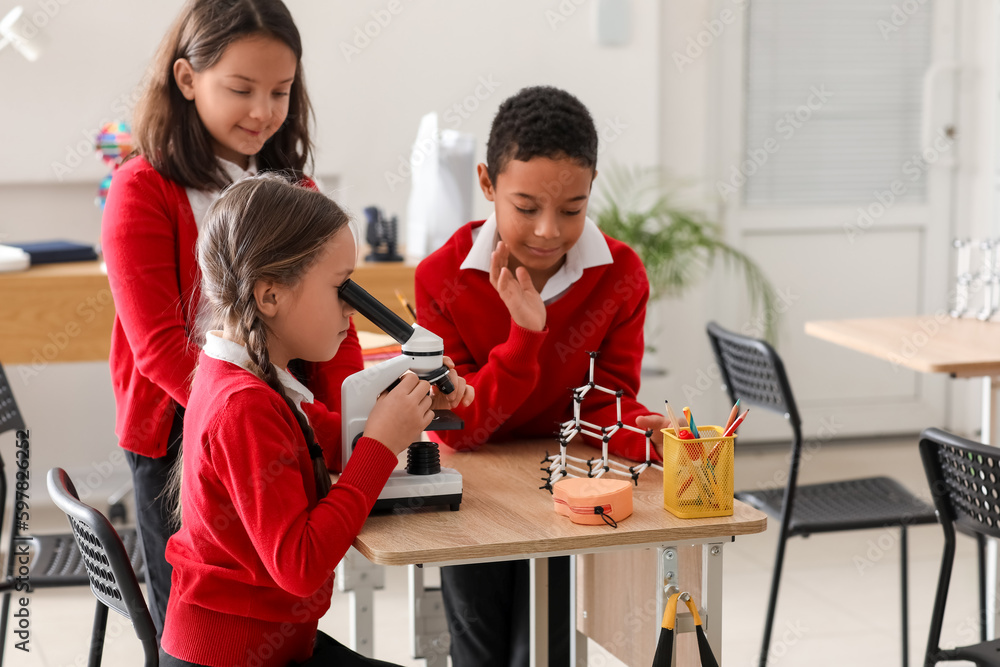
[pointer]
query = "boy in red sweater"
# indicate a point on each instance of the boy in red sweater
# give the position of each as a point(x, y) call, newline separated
point(519, 300)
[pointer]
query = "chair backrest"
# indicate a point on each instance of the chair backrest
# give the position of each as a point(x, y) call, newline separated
point(10, 419)
point(964, 478)
point(10, 415)
point(112, 578)
point(753, 372)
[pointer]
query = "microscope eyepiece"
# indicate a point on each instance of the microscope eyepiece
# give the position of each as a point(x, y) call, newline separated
point(374, 310)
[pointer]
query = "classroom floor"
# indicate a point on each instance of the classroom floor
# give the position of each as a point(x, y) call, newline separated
point(839, 603)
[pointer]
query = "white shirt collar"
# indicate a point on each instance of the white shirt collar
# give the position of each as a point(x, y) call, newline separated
point(219, 348)
point(201, 200)
point(589, 251)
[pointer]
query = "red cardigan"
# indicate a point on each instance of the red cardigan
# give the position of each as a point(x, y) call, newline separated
point(254, 558)
point(149, 237)
point(523, 378)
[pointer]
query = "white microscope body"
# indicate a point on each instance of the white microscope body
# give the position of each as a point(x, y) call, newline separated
point(424, 482)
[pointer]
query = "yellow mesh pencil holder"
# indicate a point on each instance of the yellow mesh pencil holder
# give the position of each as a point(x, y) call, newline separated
point(698, 474)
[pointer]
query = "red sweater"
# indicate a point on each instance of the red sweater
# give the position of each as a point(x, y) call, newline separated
point(149, 238)
point(523, 378)
point(254, 558)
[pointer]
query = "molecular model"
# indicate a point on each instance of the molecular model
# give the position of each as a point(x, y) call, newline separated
point(558, 466)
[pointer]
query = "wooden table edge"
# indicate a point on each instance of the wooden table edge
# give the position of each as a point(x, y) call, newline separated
point(815, 329)
point(567, 546)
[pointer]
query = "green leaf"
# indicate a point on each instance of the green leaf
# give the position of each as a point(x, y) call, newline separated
point(677, 246)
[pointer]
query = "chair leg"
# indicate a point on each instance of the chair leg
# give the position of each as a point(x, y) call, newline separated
point(4, 612)
point(904, 560)
point(97, 636)
point(981, 553)
point(772, 600)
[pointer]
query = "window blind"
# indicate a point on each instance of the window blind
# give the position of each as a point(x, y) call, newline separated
point(834, 96)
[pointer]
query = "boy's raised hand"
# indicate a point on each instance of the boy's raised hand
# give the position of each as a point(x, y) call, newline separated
point(401, 415)
point(463, 394)
point(518, 293)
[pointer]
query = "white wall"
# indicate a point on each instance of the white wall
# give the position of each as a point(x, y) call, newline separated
point(430, 56)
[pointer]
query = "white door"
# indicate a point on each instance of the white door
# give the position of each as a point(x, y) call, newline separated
point(835, 171)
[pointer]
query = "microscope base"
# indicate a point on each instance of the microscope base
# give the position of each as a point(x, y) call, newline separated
point(406, 491)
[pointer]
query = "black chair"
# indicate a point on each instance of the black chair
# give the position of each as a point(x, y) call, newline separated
point(753, 372)
point(964, 478)
point(56, 560)
point(109, 569)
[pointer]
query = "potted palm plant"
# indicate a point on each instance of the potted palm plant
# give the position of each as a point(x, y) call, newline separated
point(678, 246)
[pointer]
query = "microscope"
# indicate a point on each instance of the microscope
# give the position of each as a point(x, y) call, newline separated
point(424, 482)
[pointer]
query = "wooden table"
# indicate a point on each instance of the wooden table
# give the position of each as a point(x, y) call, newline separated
point(64, 312)
point(964, 348)
point(505, 516)
point(932, 344)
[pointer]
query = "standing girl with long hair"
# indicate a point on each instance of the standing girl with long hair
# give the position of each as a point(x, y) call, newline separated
point(224, 97)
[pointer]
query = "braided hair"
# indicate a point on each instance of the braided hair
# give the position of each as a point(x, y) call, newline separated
point(264, 228)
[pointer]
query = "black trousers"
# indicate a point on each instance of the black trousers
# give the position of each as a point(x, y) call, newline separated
point(328, 652)
point(153, 518)
point(488, 616)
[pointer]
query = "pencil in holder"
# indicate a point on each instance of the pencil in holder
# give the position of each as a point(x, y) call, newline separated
point(698, 473)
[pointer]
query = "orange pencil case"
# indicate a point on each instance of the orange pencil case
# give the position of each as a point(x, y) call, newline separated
point(592, 501)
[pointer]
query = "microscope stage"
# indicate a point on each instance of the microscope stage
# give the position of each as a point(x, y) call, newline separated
point(404, 491)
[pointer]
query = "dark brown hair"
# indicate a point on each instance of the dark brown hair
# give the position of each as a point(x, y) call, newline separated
point(540, 122)
point(166, 127)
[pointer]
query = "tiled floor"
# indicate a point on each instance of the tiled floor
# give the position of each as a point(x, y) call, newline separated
point(839, 603)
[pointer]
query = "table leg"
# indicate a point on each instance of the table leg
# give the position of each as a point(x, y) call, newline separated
point(577, 640)
point(991, 436)
point(359, 577)
point(710, 603)
point(712, 595)
point(429, 638)
point(539, 611)
point(580, 643)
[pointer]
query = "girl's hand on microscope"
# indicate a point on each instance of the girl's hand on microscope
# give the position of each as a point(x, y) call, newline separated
point(401, 415)
point(463, 394)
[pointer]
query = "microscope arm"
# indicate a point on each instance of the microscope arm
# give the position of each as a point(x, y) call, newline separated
point(422, 353)
point(359, 394)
